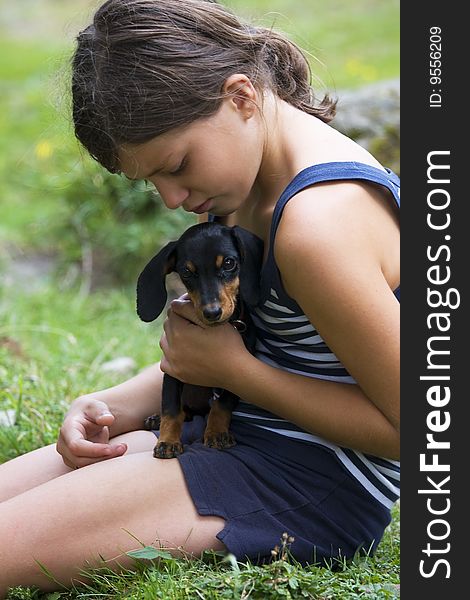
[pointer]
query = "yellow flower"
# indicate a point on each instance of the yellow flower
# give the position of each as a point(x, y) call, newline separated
point(43, 150)
point(361, 70)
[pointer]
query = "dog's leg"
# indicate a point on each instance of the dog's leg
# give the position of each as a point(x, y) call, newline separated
point(169, 442)
point(217, 434)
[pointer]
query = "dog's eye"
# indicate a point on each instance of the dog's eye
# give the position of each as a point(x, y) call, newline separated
point(229, 264)
point(186, 273)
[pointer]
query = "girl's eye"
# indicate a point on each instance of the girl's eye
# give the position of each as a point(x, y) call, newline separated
point(229, 264)
point(180, 168)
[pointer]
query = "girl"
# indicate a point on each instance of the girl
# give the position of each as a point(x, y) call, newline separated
point(220, 117)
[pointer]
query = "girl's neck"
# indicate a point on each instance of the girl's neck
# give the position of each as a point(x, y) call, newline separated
point(293, 140)
point(286, 132)
point(296, 140)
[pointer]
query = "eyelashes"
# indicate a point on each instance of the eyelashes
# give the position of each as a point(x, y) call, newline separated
point(182, 166)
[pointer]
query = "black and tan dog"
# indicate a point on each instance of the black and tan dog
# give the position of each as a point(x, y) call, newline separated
point(220, 268)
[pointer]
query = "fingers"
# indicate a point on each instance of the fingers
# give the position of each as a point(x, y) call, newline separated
point(171, 326)
point(166, 364)
point(76, 462)
point(184, 308)
point(84, 436)
point(81, 447)
point(184, 297)
point(80, 452)
point(111, 452)
point(98, 412)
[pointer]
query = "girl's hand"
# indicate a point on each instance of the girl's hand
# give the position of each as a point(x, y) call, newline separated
point(196, 353)
point(84, 435)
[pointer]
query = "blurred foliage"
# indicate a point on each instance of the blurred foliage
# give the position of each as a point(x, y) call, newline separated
point(54, 199)
point(106, 225)
point(350, 43)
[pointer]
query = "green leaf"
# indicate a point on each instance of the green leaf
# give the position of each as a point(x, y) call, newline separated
point(149, 553)
point(293, 583)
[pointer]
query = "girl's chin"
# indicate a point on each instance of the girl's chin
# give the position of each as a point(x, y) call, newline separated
point(224, 208)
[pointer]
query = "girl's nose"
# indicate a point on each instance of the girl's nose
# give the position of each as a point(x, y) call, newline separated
point(172, 194)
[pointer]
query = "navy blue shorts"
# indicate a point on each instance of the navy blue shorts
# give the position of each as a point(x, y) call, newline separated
point(269, 484)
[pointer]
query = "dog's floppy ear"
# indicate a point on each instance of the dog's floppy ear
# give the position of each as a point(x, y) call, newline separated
point(250, 247)
point(151, 290)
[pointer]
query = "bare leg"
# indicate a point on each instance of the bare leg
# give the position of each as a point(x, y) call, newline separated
point(34, 468)
point(72, 519)
point(30, 470)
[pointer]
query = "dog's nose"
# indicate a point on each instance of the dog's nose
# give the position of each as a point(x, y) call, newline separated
point(212, 313)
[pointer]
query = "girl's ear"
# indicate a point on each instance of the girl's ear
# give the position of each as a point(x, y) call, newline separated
point(250, 248)
point(240, 90)
point(151, 290)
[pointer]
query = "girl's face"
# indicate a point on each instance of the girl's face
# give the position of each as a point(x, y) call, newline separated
point(210, 165)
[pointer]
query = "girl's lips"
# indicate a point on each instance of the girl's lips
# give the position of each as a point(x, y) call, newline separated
point(202, 208)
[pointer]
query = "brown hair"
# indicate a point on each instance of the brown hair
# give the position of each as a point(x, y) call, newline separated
point(144, 67)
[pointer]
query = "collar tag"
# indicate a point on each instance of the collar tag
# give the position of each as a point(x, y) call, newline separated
point(240, 326)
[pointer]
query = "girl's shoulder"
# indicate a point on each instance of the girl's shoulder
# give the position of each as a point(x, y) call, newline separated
point(347, 222)
point(337, 199)
point(332, 213)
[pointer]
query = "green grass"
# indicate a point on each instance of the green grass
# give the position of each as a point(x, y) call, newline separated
point(353, 43)
point(62, 341)
point(35, 135)
point(357, 41)
point(212, 578)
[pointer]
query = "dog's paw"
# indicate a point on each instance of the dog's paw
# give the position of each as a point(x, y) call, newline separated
point(220, 440)
point(152, 422)
point(167, 449)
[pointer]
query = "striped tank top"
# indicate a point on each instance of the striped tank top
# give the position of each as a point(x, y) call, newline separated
point(286, 339)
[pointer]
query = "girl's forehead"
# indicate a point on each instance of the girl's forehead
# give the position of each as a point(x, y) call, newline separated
point(139, 161)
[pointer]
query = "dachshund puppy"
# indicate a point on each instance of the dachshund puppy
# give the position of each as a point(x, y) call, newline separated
point(220, 268)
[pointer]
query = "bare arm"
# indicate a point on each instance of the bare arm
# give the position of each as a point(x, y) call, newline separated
point(133, 400)
point(340, 413)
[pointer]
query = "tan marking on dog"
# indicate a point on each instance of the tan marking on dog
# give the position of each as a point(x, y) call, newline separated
point(219, 261)
point(217, 433)
point(228, 298)
point(191, 266)
point(196, 300)
point(170, 428)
